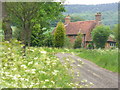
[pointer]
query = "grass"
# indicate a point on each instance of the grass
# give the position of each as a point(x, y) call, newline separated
point(41, 69)
point(38, 69)
point(107, 59)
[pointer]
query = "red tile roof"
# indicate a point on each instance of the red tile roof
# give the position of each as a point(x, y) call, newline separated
point(84, 27)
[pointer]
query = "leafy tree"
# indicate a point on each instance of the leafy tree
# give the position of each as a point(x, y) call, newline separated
point(6, 23)
point(78, 41)
point(27, 15)
point(116, 33)
point(59, 35)
point(100, 35)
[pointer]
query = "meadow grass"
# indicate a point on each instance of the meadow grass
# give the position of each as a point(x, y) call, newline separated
point(105, 58)
point(38, 69)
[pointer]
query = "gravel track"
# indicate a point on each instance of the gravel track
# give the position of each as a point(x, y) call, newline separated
point(101, 78)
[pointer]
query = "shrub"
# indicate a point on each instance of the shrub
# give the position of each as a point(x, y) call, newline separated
point(59, 35)
point(48, 41)
point(78, 41)
point(100, 36)
point(90, 46)
point(67, 43)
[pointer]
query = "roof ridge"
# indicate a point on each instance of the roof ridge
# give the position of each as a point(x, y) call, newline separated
point(82, 21)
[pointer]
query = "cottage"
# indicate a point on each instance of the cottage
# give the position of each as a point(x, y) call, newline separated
point(85, 28)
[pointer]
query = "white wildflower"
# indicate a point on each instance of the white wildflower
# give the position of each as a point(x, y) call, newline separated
point(24, 66)
point(33, 70)
point(44, 52)
point(15, 78)
point(53, 82)
point(46, 80)
point(36, 58)
point(42, 72)
point(43, 86)
point(8, 48)
point(30, 63)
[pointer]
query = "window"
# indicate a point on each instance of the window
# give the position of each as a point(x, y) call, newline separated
point(112, 44)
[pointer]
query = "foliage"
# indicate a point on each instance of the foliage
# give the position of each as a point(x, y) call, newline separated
point(59, 35)
point(67, 43)
point(87, 12)
point(16, 33)
point(21, 14)
point(78, 41)
point(48, 41)
point(38, 69)
point(90, 46)
point(116, 33)
point(107, 59)
point(100, 35)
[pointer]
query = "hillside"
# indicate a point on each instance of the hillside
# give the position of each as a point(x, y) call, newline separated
point(87, 12)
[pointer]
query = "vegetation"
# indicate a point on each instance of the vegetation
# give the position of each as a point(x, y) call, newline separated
point(87, 12)
point(67, 43)
point(107, 59)
point(100, 36)
point(20, 14)
point(116, 33)
point(78, 41)
point(38, 69)
point(59, 35)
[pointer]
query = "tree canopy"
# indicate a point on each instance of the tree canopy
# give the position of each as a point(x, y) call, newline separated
point(100, 35)
point(29, 16)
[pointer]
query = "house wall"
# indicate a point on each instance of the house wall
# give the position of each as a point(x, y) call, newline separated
point(72, 38)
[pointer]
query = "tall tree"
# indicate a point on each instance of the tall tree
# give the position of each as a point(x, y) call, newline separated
point(116, 33)
point(27, 15)
point(100, 35)
point(59, 35)
point(6, 24)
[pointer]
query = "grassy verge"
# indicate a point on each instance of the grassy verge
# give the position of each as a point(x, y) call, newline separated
point(107, 59)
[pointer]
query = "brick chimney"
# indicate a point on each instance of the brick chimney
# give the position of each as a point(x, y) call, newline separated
point(98, 18)
point(67, 19)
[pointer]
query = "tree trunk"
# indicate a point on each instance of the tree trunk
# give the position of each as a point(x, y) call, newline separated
point(7, 31)
point(6, 24)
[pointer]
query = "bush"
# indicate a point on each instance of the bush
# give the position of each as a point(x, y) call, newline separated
point(67, 43)
point(90, 46)
point(48, 41)
point(100, 36)
point(78, 41)
point(59, 35)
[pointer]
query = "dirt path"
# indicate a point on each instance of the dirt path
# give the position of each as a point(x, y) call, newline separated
point(89, 72)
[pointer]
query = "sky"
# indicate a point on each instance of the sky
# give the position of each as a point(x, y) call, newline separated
point(90, 1)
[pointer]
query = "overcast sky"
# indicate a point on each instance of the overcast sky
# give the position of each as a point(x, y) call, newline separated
point(90, 1)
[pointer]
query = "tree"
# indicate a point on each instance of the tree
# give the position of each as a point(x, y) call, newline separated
point(6, 23)
point(100, 35)
point(59, 35)
point(78, 41)
point(27, 15)
point(116, 33)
